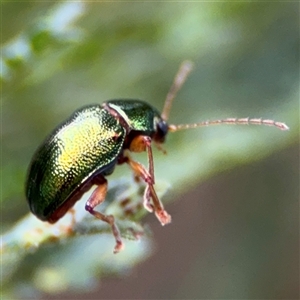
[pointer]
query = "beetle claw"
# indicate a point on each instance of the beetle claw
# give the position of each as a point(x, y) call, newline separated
point(118, 247)
point(163, 217)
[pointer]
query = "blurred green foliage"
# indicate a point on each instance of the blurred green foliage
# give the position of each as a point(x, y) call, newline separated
point(58, 56)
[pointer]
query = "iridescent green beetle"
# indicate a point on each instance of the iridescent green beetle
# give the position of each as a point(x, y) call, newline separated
point(85, 148)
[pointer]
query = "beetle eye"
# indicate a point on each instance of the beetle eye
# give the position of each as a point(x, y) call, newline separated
point(162, 127)
point(161, 131)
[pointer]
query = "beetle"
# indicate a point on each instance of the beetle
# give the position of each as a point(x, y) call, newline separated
point(84, 149)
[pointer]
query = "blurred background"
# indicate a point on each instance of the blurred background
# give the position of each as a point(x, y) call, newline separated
point(234, 190)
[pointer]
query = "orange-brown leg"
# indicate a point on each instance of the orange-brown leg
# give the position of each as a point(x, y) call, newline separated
point(139, 144)
point(97, 197)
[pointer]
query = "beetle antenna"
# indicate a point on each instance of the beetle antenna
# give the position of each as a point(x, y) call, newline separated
point(180, 77)
point(230, 121)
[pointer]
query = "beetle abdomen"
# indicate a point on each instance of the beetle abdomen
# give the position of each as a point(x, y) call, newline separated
point(87, 143)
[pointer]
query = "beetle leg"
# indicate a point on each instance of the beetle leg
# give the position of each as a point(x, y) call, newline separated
point(140, 172)
point(139, 144)
point(97, 197)
point(147, 204)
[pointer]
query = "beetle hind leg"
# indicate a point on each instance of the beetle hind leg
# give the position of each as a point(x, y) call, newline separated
point(97, 197)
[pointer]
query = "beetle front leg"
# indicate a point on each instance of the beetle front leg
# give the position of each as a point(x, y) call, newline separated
point(139, 144)
point(147, 204)
point(97, 197)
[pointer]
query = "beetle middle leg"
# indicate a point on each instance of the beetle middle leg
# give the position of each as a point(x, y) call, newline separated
point(143, 143)
point(97, 197)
